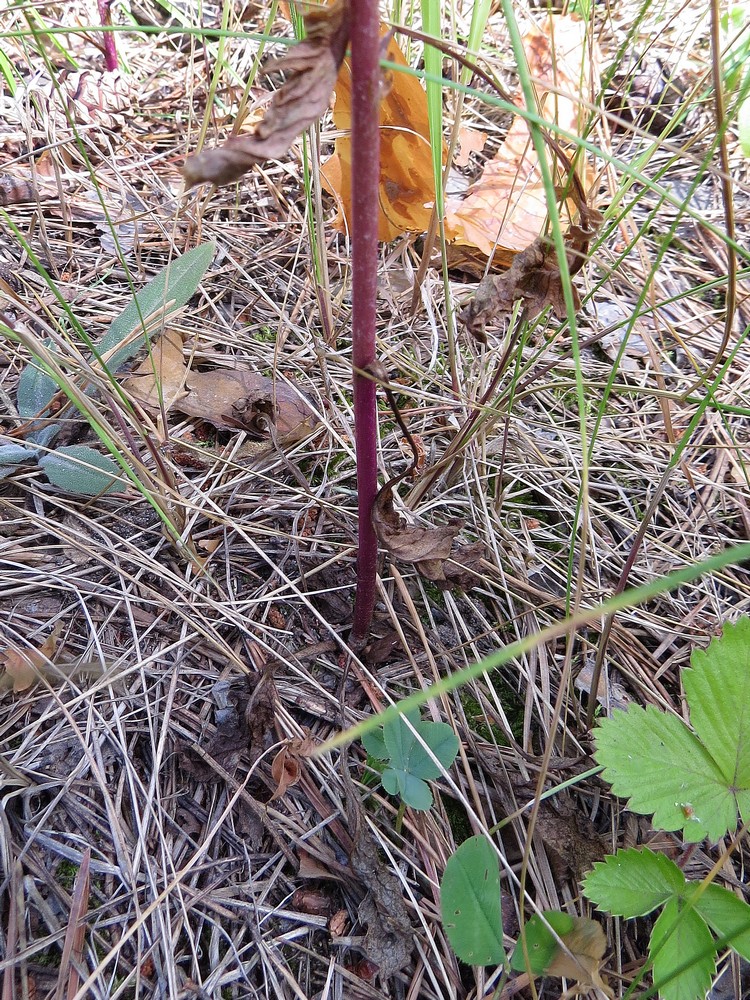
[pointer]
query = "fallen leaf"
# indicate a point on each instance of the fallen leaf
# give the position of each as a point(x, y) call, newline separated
point(407, 186)
point(246, 725)
point(285, 769)
point(22, 668)
point(311, 67)
point(160, 380)
point(311, 901)
point(389, 937)
point(470, 140)
point(506, 209)
point(433, 549)
point(238, 398)
point(229, 398)
point(582, 956)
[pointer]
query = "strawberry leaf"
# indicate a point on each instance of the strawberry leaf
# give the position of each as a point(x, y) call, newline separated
point(683, 953)
point(728, 916)
point(694, 782)
point(634, 882)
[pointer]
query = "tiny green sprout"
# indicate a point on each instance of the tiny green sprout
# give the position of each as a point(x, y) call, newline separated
point(410, 765)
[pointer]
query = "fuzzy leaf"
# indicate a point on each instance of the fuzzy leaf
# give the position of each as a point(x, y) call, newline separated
point(653, 760)
point(14, 454)
point(176, 283)
point(35, 390)
point(470, 903)
point(45, 435)
point(689, 937)
point(634, 882)
point(728, 916)
point(79, 469)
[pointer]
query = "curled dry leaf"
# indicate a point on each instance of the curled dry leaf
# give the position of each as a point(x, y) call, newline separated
point(228, 398)
point(285, 769)
point(238, 398)
point(310, 67)
point(506, 209)
point(433, 549)
point(534, 276)
point(581, 959)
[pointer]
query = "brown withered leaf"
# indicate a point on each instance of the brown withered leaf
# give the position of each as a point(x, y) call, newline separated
point(239, 398)
point(506, 209)
point(161, 377)
point(586, 945)
point(247, 725)
point(229, 398)
point(21, 668)
point(311, 67)
point(534, 276)
point(285, 769)
point(433, 549)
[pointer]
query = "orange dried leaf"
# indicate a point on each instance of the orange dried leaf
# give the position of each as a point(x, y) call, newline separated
point(310, 67)
point(407, 187)
point(23, 667)
point(506, 209)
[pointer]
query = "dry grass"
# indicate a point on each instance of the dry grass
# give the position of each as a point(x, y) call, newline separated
point(195, 883)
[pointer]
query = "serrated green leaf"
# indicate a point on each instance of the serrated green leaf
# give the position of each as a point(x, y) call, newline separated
point(470, 903)
point(541, 945)
point(14, 454)
point(35, 391)
point(717, 688)
point(79, 469)
point(176, 283)
point(633, 882)
point(727, 915)
point(653, 760)
point(678, 936)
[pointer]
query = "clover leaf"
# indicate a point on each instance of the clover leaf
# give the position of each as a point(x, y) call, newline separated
point(410, 763)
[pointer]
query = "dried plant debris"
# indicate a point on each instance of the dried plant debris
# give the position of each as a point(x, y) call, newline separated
point(245, 726)
point(433, 549)
point(534, 277)
point(389, 937)
point(228, 398)
point(311, 68)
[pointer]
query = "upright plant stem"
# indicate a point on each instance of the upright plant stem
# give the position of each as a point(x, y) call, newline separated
point(110, 49)
point(365, 45)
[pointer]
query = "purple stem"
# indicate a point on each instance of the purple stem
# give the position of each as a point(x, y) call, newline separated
point(365, 45)
point(110, 49)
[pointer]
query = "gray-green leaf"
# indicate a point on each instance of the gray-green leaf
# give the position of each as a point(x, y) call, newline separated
point(35, 390)
point(175, 284)
point(79, 469)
